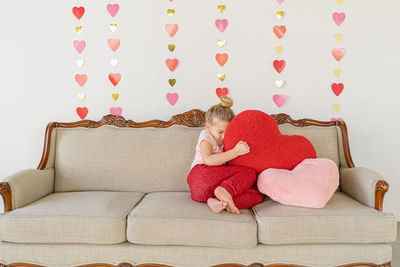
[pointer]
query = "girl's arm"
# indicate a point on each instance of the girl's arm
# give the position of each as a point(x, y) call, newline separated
point(209, 158)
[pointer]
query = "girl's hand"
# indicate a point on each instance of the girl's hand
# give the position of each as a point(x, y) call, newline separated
point(242, 148)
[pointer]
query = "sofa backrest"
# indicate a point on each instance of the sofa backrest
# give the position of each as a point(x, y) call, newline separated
point(146, 159)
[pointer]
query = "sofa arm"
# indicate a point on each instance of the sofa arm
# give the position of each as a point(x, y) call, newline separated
point(364, 185)
point(26, 186)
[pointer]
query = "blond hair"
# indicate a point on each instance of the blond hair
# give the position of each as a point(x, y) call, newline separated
point(221, 111)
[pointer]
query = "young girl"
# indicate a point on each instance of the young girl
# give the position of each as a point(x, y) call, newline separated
point(210, 179)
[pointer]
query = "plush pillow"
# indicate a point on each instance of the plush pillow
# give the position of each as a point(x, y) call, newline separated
point(310, 184)
point(268, 147)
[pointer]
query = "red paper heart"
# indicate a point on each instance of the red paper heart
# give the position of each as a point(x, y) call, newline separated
point(279, 65)
point(172, 63)
point(81, 79)
point(279, 31)
point(114, 78)
point(268, 147)
point(78, 11)
point(337, 88)
point(82, 112)
point(221, 91)
point(221, 59)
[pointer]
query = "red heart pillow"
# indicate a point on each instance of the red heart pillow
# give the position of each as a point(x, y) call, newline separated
point(268, 147)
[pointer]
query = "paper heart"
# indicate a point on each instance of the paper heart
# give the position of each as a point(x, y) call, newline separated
point(114, 62)
point(172, 98)
point(115, 111)
point(171, 29)
point(221, 92)
point(279, 65)
point(221, 8)
point(81, 96)
point(280, 14)
point(221, 76)
point(279, 83)
point(336, 119)
point(114, 78)
point(79, 45)
point(221, 43)
point(279, 30)
point(310, 184)
point(172, 63)
point(80, 63)
point(279, 1)
point(336, 107)
point(113, 27)
point(115, 96)
point(337, 72)
point(279, 49)
point(337, 88)
point(171, 47)
point(279, 100)
point(338, 18)
point(113, 9)
point(172, 82)
point(338, 53)
point(79, 29)
point(171, 12)
point(338, 36)
point(78, 11)
point(221, 24)
point(81, 79)
point(82, 112)
point(221, 59)
point(268, 147)
point(114, 44)
point(339, 2)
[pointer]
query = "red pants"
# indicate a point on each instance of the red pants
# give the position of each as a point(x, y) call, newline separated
point(237, 180)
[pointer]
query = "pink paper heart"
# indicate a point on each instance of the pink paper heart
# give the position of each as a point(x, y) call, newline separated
point(113, 9)
point(338, 18)
point(81, 79)
point(279, 1)
point(116, 111)
point(171, 29)
point(114, 44)
point(279, 99)
point(221, 24)
point(336, 119)
point(172, 63)
point(79, 45)
point(172, 98)
point(338, 53)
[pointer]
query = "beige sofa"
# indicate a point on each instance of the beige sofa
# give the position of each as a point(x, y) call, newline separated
point(114, 193)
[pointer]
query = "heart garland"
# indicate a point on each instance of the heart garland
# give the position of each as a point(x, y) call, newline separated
point(171, 63)
point(114, 44)
point(221, 58)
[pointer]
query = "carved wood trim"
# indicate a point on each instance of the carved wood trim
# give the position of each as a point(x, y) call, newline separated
point(380, 190)
point(5, 191)
point(361, 264)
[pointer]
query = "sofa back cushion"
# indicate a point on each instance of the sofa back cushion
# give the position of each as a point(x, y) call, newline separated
point(145, 159)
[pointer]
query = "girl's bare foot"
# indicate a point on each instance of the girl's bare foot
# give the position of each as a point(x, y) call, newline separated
point(216, 205)
point(224, 195)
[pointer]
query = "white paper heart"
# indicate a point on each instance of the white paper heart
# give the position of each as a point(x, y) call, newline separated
point(221, 43)
point(81, 96)
point(80, 63)
point(114, 61)
point(279, 83)
point(113, 27)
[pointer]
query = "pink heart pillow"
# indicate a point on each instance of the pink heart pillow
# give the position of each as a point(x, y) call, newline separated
point(310, 184)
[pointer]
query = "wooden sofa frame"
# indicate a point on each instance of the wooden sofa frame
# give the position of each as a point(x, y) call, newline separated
point(192, 118)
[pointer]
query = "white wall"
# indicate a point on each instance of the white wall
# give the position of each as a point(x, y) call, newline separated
point(38, 66)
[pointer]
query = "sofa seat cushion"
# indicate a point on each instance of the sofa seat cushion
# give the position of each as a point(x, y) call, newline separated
point(94, 217)
point(173, 218)
point(342, 220)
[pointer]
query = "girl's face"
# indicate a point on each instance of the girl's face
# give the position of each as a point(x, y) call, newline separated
point(217, 130)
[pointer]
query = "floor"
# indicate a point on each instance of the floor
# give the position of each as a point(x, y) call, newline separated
point(396, 249)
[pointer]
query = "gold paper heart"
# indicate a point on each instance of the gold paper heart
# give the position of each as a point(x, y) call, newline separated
point(336, 107)
point(221, 76)
point(339, 2)
point(172, 82)
point(221, 8)
point(114, 62)
point(279, 49)
point(81, 96)
point(115, 96)
point(280, 14)
point(338, 36)
point(221, 43)
point(171, 47)
point(171, 12)
point(279, 83)
point(80, 63)
point(79, 29)
point(338, 72)
point(113, 27)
